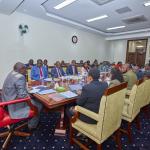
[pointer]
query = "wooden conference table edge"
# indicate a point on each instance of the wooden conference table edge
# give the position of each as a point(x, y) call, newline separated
point(52, 104)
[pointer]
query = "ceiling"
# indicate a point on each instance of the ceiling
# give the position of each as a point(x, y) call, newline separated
point(130, 13)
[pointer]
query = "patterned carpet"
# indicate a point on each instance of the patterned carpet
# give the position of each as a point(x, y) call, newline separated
point(43, 139)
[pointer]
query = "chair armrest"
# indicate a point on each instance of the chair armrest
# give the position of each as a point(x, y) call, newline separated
point(15, 101)
point(87, 112)
point(75, 117)
point(27, 100)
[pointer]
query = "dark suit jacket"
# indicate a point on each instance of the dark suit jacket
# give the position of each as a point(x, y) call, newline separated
point(54, 72)
point(70, 70)
point(90, 98)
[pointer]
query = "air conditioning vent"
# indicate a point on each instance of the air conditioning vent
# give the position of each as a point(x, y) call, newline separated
point(101, 2)
point(133, 20)
point(123, 10)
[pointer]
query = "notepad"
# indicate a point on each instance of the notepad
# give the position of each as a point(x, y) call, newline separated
point(68, 94)
point(49, 91)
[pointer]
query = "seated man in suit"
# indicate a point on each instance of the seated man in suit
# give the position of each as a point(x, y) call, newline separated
point(15, 88)
point(30, 63)
point(39, 72)
point(72, 68)
point(129, 75)
point(57, 71)
point(91, 95)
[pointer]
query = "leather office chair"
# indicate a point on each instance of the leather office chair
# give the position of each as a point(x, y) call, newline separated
point(108, 119)
point(6, 121)
point(132, 105)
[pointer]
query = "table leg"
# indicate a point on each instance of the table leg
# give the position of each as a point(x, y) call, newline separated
point(60, 129)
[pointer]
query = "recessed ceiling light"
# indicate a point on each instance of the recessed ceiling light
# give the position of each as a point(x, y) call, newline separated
point(113, 28)
point(147, 3)
point(63, 4)
point(97, 18)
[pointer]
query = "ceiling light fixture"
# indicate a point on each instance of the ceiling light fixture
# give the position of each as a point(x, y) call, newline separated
point(147, 3)
point(97, 18)
point(113, 28)
point(65, 3)
point(140, 46)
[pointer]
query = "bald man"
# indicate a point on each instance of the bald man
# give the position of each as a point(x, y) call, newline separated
point(14, 87)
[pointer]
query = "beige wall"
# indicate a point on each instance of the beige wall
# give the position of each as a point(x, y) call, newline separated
point(44, 40)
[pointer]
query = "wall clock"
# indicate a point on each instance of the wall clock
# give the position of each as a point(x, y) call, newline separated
point(74, 39)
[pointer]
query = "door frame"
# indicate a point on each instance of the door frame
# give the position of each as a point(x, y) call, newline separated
point(136, 40)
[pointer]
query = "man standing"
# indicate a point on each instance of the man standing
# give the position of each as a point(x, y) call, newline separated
point(15, 88)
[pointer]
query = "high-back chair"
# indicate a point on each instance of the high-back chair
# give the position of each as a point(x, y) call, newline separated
point(28, 74)
point(145, 101)
point(108, 119)
point(7, 121)
point(132, 106)
point(146, 94)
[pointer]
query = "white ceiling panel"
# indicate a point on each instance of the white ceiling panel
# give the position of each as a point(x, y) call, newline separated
point(79, 11)
point(9, 6)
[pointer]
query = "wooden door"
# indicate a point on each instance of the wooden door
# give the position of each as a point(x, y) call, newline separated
point(136, 52)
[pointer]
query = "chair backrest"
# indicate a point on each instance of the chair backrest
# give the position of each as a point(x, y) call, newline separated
point(110, 111)
point(135, 98)
point(146, 94)
point(28, 74)
point(79, 68)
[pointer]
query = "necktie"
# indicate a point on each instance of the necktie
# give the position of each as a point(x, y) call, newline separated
point(41, 72)
point(73, 69)
point(58, 72)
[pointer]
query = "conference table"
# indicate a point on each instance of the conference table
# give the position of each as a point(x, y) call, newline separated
point(51, 103)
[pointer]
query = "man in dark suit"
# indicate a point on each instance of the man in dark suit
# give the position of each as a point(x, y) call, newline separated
point(91, 95)
point(57, 71)
point(72, 68)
